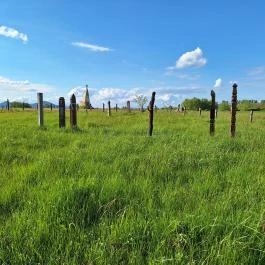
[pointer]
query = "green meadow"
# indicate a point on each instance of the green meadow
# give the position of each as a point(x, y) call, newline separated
point(107, 193)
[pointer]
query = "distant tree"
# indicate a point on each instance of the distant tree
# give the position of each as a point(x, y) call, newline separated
point(196, 103)
point(224, 105)
point(205, 104)
point(17, 104)
point(140, 101)
point(247, 104)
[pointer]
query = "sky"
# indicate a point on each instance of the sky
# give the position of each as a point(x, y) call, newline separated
point(124, 48)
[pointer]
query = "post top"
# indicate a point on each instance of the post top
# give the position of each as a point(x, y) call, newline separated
point(234, 85)
point(212, 93)
point(73, 97)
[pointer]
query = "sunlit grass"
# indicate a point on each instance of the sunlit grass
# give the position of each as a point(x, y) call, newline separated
point(109, 194)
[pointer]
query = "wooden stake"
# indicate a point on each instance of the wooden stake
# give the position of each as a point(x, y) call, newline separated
point(251, 116)
point(129, 106)
point(212, 114)
point(109, 109)
point(40, 109)
point(233, 110)
point(103, 107)
point(61, 112)
point(151, 113)
point(73, 116)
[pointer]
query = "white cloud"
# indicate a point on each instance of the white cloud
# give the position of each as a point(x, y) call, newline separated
point(14, 89)
point(169, 95)
point(191, 59)
point(13, 33)
point(218, 83)
point(91, 47)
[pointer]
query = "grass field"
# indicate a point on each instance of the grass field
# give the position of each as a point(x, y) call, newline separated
point(109, 194)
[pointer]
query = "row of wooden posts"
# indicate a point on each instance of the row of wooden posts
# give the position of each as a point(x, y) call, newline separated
point(213, 112)
point(73, 111)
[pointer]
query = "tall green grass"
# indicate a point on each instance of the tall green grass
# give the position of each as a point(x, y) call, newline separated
point(109, 194)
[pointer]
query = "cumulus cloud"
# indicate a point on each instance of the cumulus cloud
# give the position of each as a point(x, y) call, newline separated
point(191, 59)
point(91, 47)
point(13, 33)
point(218, 83)
point(168, 95)
point(14, 89)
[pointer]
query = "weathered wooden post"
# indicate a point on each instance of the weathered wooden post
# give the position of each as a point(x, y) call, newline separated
point(40, 109)
point(116, 107)
point(184, 110)
point(109, 109)
point(51, 106)
point(103, 107)
point(200, 111)
point(129, 106)
point(7, 104)
point(233, 110)
point(251, 116)
point(151, 113)
point(61, 112)
point(73, 116)
point(23, 106)
point(212, 114)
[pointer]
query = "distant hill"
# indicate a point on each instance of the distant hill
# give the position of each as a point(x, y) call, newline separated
point(46, 104)
point(3, 104)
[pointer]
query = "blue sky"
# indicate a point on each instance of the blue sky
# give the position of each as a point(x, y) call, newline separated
point(125, 48)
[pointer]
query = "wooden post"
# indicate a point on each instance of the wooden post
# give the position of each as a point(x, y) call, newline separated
point(73, 116)
point(103, 107)
point(51, 106)
point(200, 111)
point(233, 112)
point(216, 112)
point(40, 109)
point(7, 104)
point(129, 106)
point(151, 113)
point(212, 114)
point(23, 105)
point(116, 107)
point(109, 109)
point(251, 116)
point(61, 112)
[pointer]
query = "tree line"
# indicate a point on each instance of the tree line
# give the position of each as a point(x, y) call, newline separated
point(205, 104)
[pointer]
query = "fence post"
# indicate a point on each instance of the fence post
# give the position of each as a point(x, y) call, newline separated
point(129, 106)
point(103, 107)
point(61, 112)
point(200, 111)
point(234, 108)
point(7, 104)
point(73, 118)
point(116, 107)
point(151, 113)
point(23, 106)
point(51, 106)
point(212, 114)
point(109, 109)
point(40, 109)
point(251, 116)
